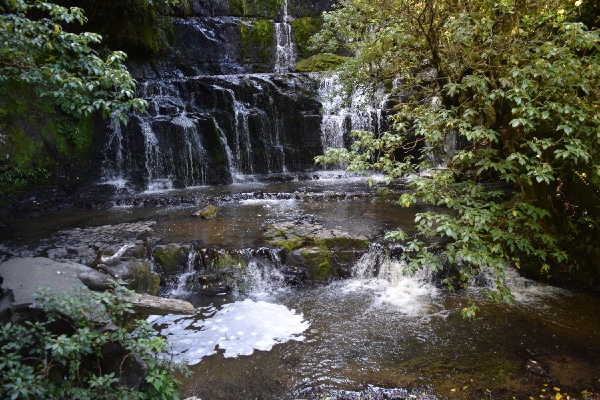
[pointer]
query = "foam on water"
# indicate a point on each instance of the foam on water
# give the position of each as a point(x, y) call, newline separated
point(238, 329)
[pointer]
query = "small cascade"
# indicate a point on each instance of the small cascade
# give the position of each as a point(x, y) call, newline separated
point(523, 289)
point(248, 272)
point(181, 288)
point(112, 169)
point(259, 279)
point(285, 52)
point(411, 294)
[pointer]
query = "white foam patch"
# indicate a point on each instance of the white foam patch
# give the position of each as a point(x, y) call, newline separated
point(238, 328)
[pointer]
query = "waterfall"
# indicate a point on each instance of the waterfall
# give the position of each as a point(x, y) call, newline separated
point(285, 52)
point(231, 162)
point(194, 168)
point(112, 170)
point(180, 288)
point(360, 111)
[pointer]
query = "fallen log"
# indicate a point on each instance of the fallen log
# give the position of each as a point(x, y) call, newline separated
point(161, 305)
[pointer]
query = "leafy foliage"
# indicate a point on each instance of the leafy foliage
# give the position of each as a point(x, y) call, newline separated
point(517, 82)
point(36, 49)
point(40, 361)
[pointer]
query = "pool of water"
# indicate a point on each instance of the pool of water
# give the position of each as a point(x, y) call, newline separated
point(244, 212)
point(370, 333)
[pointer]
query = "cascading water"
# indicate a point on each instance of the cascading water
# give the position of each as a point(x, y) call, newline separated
point(342, 115)
point(112, 170)
point(409, 293)
point(180, 288)
point(285, 52)
point(219, 129)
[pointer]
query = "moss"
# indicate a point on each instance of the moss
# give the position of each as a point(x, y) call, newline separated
point(318, 262)
point(225, 260)
point(255, 8)
point(257, 40)
point(143, 280)
point(304, 29)
point(320, 62)
point(135, 26)
point(207, 212)
point(38, 140)
point(171, 258)
point(288, 243)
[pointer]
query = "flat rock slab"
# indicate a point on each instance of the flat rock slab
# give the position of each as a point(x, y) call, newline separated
point(26, 275)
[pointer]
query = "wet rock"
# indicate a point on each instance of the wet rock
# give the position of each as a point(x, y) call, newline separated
point(316, 261)
point(26, 275)
point(128, 367)
point(172, 258)
point(295, 275)
point(96, 280)
point(137, 273)
point(207, 212)
point(291, 235)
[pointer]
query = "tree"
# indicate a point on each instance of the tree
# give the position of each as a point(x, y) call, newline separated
point(517, 81)
point(36, 49)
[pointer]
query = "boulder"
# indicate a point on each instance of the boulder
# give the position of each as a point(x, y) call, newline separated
point(138, 273)
point(207, 212)
point(26, 275)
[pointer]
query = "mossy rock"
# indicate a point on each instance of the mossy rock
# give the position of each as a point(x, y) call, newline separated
point(288, 243)
point(207, 212)
point(255, 8)
point(222, 260)
point(258, 40)
point(318, 262)
point(143, 279)
point(172, 258)
point(320, 62)
point(39, 140)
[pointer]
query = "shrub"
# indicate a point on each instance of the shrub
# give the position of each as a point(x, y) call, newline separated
point(64, 351)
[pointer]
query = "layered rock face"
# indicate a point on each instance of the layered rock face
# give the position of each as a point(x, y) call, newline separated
point(209, 130)
point(223, 104)
point(217, 37)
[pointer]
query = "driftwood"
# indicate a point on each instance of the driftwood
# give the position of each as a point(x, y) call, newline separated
point(160, 305)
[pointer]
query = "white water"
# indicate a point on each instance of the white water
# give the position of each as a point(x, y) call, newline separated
point(285, 55)
point(410, 294)
point(180, 289)
point(238, 329)
point(113, 174)
point(342, 115)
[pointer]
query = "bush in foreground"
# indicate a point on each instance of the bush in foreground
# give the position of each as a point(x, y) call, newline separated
point(85, 346)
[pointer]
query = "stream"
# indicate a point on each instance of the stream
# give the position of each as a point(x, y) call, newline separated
point(379, 333)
